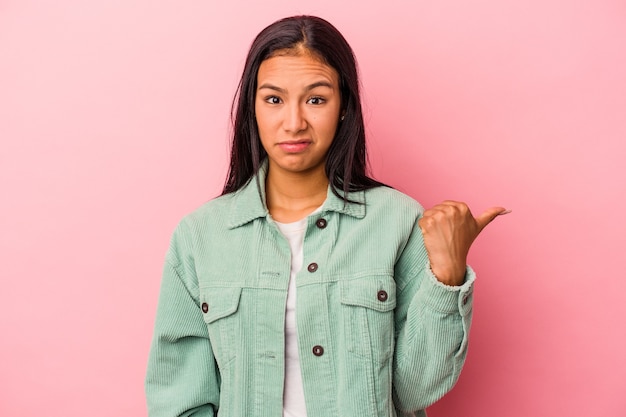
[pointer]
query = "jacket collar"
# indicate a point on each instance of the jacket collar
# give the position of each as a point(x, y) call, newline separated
point(248, 204)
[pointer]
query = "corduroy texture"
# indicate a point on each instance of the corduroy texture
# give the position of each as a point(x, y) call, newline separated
point(383, 355)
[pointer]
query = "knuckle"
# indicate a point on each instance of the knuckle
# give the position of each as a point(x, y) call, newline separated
point(438, 216)
point(426, 222)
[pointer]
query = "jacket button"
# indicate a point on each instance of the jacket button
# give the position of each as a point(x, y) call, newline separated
point(382, 295)
point(205, 308)
point(312, 267)
point(321, 223)
point(318, 350)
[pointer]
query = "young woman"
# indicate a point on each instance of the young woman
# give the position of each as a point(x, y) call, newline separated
point(308, 288)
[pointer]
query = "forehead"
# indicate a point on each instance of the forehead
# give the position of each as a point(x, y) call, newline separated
point(296, 68)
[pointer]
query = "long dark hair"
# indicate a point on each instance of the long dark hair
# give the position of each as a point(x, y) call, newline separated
point(346, 160)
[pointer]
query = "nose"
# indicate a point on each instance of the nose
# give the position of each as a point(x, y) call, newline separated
point(294, 120)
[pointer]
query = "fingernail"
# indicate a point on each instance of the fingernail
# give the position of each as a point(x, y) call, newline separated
point(504, 212)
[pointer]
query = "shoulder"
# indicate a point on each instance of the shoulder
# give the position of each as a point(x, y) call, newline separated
point(205, 219)
point(192, 231)
point(391, 201)
point(218, 206)
point(389, 211)
point(213, 213)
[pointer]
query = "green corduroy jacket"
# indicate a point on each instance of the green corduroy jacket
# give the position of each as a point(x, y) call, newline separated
point(378, 335)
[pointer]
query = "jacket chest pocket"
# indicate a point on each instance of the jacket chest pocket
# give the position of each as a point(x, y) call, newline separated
point(368, 316)
point(220, 307)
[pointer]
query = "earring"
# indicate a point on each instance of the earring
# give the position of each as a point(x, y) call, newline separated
point(343, 117)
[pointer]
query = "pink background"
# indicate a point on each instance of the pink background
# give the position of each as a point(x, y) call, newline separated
point(114, 124)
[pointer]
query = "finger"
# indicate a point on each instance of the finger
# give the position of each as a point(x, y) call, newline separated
point(424, 223)
point(488, 215)
point(451, 203)
point(448, 205)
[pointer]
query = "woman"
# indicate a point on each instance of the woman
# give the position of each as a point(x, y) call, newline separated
point(308, 288)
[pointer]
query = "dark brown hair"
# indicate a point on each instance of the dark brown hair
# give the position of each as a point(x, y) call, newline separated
point(346, 160)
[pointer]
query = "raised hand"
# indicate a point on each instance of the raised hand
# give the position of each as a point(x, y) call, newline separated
point(449, 230)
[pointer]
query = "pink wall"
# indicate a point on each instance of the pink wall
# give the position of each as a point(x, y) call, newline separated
point(113, 124)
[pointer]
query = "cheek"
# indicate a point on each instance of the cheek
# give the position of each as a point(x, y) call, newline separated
point(265, 127)
point(330, 128)
point(265, 118)
point(331, 121)
point(261, 121)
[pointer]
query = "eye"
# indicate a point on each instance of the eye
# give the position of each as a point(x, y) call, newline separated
point(272, 100)
point(316, 100)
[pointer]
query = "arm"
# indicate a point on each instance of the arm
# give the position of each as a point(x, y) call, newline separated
point(434, 309)
point(432, 322)
point(182, 377)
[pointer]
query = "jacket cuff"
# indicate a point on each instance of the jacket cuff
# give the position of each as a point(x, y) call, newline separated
point(446, 298)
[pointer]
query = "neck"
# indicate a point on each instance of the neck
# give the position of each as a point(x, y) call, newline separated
point(293, 196)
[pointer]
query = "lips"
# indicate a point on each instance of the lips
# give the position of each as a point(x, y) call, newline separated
point(294, 146)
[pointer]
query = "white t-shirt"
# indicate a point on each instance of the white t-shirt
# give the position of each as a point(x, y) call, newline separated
point(293, 394)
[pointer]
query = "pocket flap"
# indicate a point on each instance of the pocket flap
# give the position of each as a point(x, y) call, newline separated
point(221, 302)
point(374, 292)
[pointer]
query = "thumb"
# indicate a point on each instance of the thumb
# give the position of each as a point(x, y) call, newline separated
point(488, 215)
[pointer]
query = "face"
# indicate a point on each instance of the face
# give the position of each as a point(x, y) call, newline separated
point(297, 111)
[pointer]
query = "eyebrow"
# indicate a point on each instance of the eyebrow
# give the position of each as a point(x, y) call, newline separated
point(308, 87)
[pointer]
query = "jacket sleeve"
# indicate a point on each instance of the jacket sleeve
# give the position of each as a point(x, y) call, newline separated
point(432, 323)
point(182, 377)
